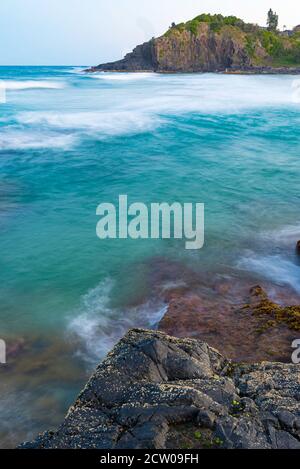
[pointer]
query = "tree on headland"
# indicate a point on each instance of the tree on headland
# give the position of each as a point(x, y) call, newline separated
point(272, 20)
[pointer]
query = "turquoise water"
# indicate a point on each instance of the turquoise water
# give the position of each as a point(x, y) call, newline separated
point(69, 141)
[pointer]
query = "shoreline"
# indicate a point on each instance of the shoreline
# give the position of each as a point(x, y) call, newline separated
point(246, 71)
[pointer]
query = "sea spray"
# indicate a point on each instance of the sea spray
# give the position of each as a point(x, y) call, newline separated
point(99, 326)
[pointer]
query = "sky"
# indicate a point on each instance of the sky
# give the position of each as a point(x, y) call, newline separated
point(89, 32)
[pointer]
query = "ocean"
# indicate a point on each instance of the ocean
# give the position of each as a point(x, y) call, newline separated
point(70, 141)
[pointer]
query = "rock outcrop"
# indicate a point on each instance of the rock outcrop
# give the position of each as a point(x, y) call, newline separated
point(142, 58)
point(154, 391)
point(213, 43)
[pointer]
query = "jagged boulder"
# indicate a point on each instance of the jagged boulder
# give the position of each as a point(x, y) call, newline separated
point(154, 391)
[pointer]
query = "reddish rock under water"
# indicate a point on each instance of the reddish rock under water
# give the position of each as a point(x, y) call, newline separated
point(246, 329)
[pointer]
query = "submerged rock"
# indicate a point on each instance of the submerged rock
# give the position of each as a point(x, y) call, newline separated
point(247, 325)
point(154, 391)
point(272, 314)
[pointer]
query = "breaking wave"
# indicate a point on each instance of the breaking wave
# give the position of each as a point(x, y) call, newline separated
point(104, 123)
point(278, 263)
point(123, 76)
point(14, 85)
point(146, 107)
point(275, 268)
point(286, 236)
point(21, 140)
point(99, 326)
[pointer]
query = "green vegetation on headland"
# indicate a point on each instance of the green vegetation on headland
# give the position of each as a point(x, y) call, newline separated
point(215, 22)
point(264, 45)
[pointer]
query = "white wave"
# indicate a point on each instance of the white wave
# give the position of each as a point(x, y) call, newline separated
point(202, 93)
point(218, 94)
point(77, 70)
point(20, 140)
point(105, 123)
point(128, 111)
point(274, 268)
point(123, 76)
point(99, 326)
point(172, 285)
point(131, 110)
point(288, 235)
point(14, 85)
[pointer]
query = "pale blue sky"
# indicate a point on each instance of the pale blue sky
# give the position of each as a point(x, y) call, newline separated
point(84, 32)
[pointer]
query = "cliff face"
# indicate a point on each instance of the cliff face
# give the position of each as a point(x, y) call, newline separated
point(183, 51)
point(154, 391)
point(212, 43)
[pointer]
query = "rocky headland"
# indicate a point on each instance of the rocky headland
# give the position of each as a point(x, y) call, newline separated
point(154, 391)
point(214, 43)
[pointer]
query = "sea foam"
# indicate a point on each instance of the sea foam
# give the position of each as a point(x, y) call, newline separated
point(14, 85)
point(275, 268)
point(99, 326)
point(103, 123)
point(286, 236)
point(27, 140)
point(123, 76)
point(158, 100)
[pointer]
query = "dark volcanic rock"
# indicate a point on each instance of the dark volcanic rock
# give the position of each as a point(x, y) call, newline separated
point(155, 391)
point(142, 58)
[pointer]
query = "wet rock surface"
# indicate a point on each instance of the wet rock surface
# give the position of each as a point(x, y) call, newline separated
point(157, 391)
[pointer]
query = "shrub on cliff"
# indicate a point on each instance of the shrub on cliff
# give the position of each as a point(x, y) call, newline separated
point(216, 22)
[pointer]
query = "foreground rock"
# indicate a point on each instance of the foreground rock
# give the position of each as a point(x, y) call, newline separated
point(156, 391)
